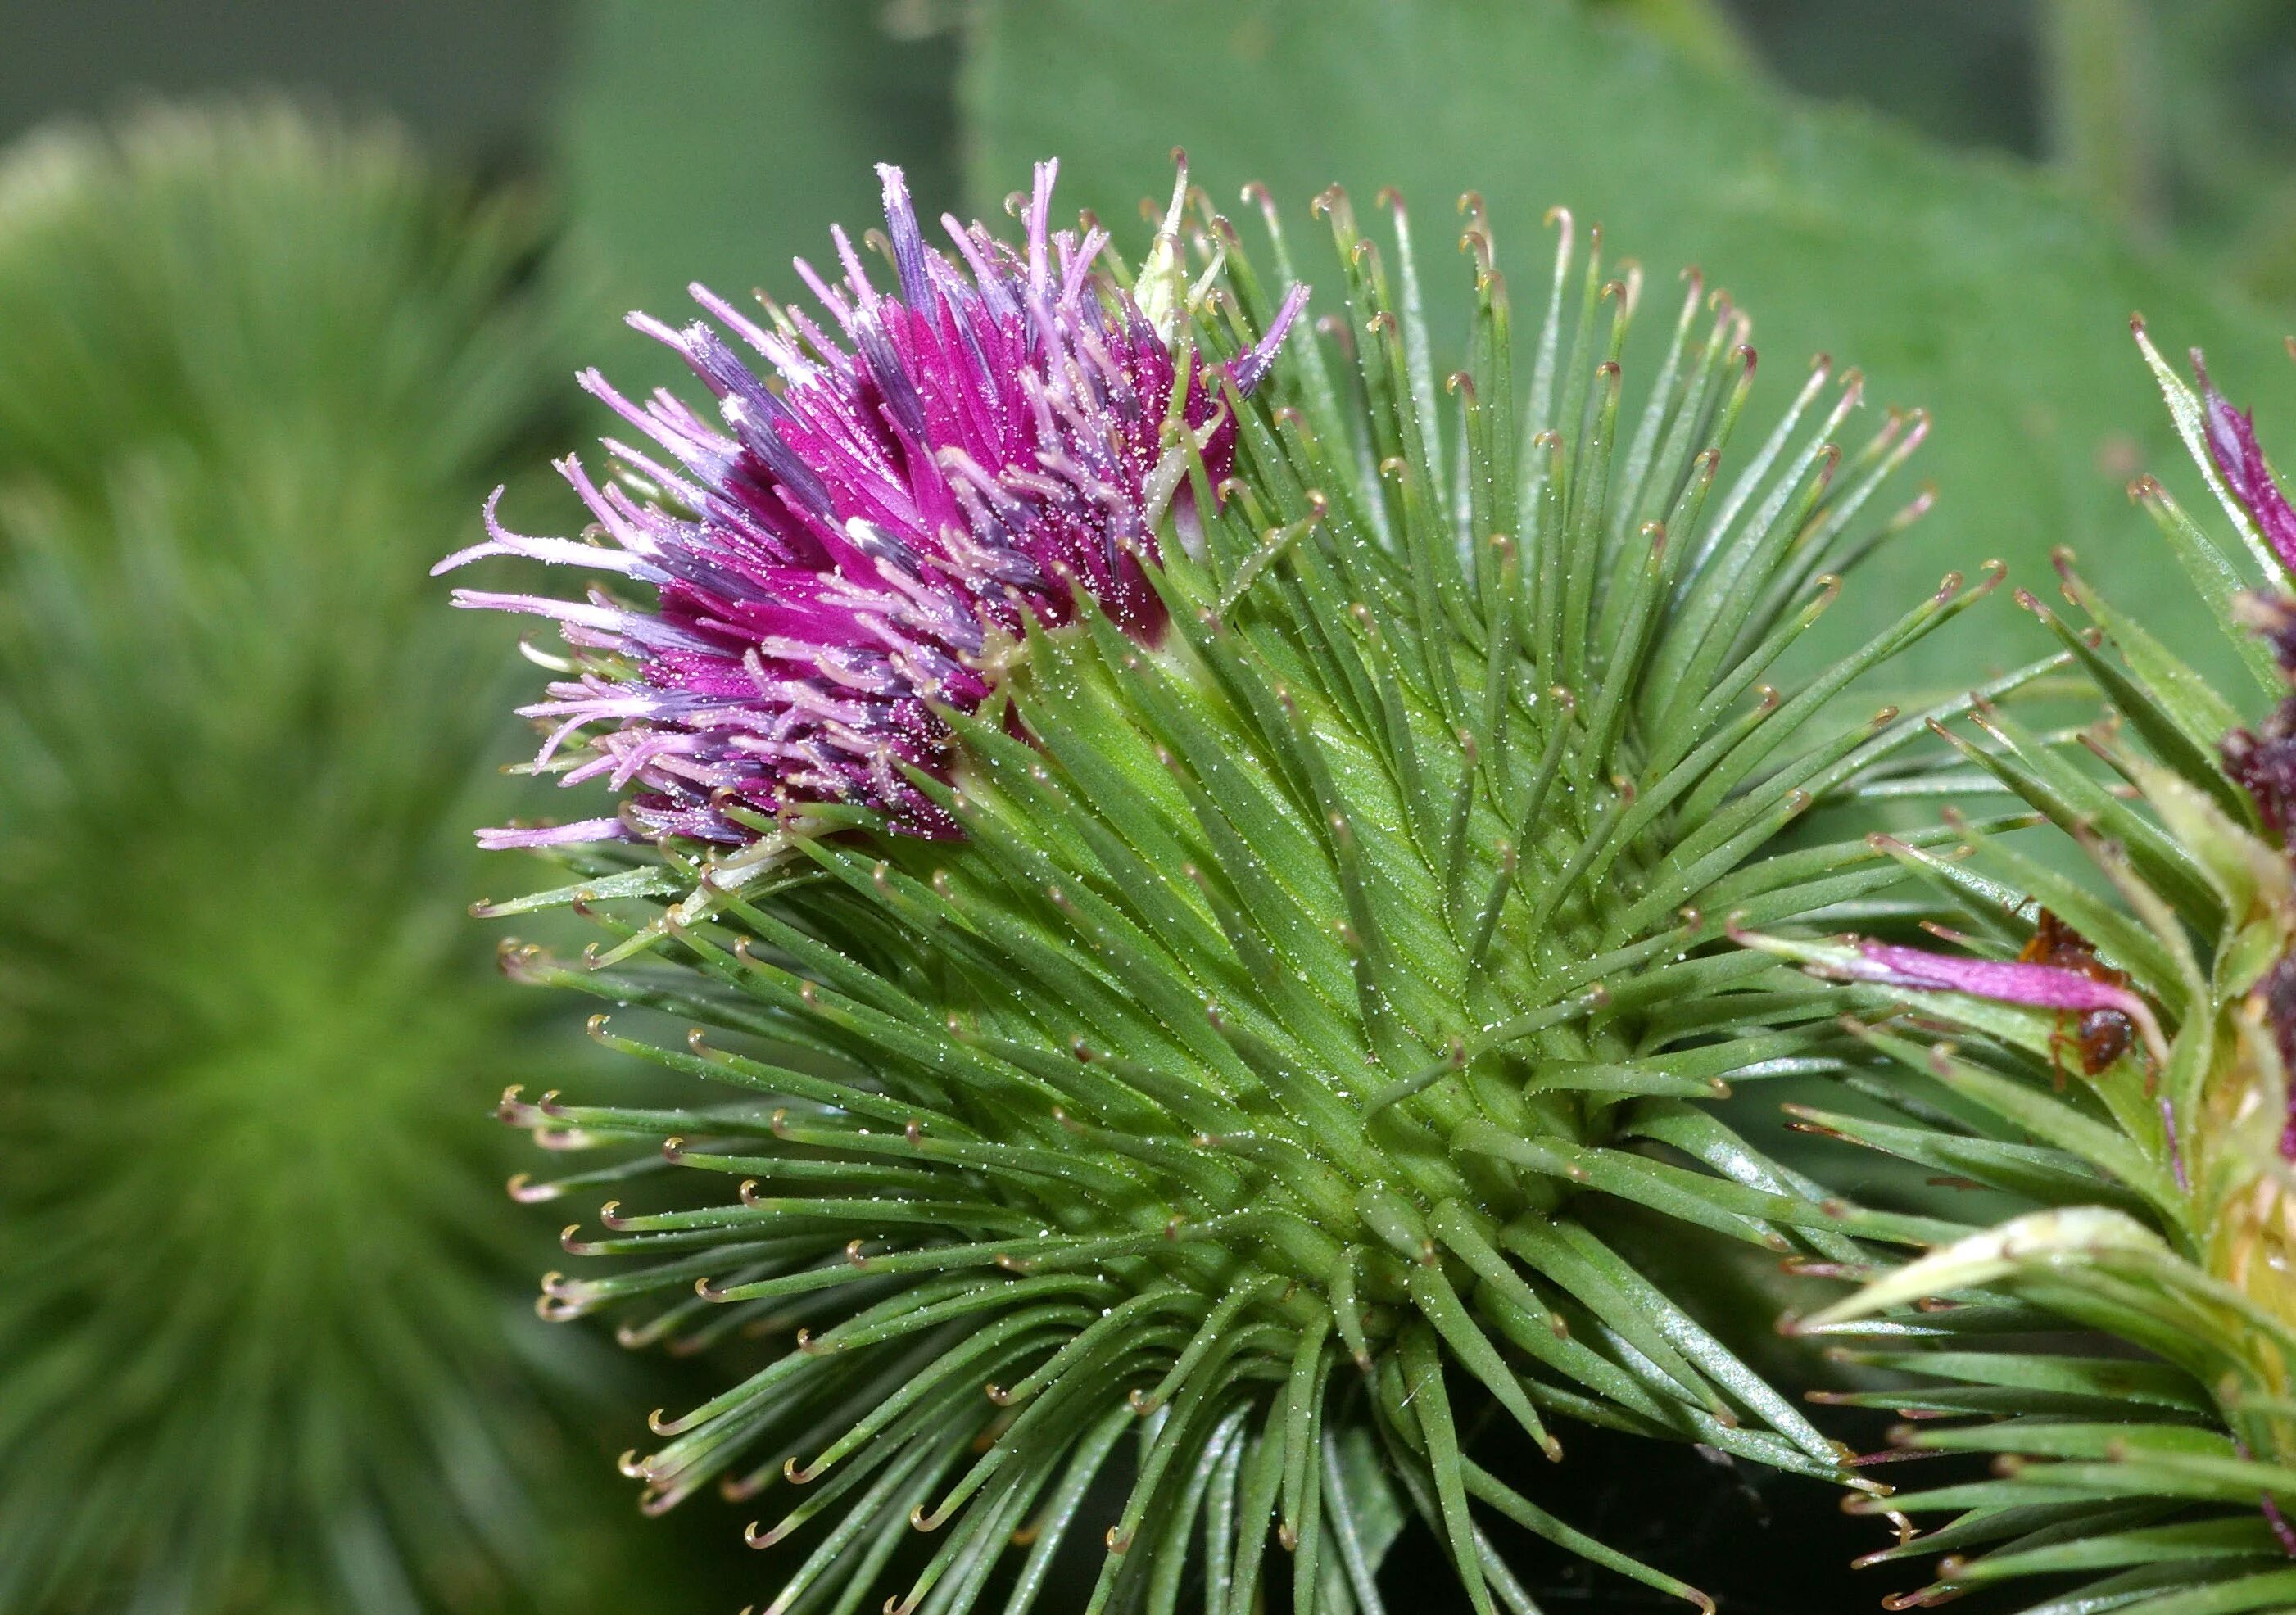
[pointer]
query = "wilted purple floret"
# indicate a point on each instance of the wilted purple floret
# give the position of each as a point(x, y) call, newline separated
point(841, 553)
point(2049, 987)
point(2240, 460)
point(2263, 759)
point(2278, 989)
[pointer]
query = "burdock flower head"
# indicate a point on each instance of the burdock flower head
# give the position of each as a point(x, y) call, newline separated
point(1346, 757)
point(854, 545)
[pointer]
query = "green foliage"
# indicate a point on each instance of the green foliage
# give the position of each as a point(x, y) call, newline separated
point(1296, 984)
point(1959, 282)
point(2151, 1461)
point(2185, 106)
point(259, 1356)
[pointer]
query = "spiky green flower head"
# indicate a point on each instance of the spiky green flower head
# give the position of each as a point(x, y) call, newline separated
point(257, 1354)
point(2116, 1053)
point(1183, 843)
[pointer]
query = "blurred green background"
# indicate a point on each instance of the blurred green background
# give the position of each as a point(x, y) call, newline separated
point(263, 1315)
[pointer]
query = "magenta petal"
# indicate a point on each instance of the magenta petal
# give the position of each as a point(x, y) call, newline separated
point(1247, 367)
point(2042, 986)
point(2240, 460)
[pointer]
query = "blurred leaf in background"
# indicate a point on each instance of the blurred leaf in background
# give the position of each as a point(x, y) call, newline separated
point(2174, 118)
point(1962, 72)
point(1957, 283)
point(2179, 116)
point(715, 142)
point(1702, 30)
point(263, 1319)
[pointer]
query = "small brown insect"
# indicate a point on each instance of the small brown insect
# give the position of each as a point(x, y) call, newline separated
point(2097, 1037)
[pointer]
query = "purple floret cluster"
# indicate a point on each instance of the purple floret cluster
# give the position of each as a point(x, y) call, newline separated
point(854, 542)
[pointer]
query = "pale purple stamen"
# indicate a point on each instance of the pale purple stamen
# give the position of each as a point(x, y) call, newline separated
point(2281, 1532)
point(551, 835)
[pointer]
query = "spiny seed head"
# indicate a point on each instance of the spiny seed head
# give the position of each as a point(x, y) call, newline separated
point(235, 1050)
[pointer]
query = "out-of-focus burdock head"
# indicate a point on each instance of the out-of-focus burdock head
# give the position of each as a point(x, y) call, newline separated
point(255, 1312)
